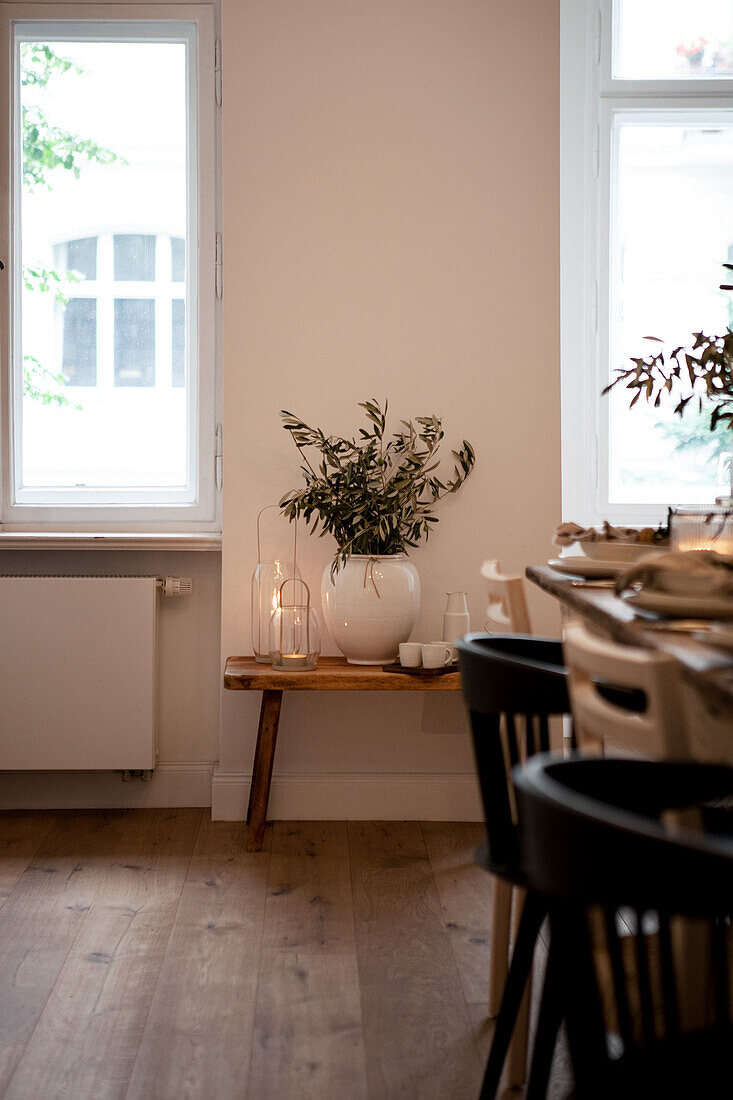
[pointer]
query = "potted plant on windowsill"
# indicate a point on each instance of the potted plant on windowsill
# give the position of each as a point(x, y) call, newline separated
point(700, 374)
point(376, 496)
point(694, 53)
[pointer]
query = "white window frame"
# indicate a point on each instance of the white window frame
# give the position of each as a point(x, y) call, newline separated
point(198, 507)
point(105, 290)
point(592, 103)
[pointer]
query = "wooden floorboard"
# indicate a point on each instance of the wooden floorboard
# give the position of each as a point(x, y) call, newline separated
point(87, 1037)
point(201, 1019)
point(21, 834)
point(145, 955)
point(42, 918)
point(307, 1038)
point(465, 897)
point(417, 1030)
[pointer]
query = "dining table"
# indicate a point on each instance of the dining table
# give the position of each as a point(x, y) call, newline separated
point(706, 667)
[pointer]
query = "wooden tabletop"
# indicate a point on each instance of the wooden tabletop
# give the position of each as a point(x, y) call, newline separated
point(332, 674)
point(708, 667)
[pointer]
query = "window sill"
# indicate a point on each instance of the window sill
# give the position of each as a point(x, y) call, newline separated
point(49, 540)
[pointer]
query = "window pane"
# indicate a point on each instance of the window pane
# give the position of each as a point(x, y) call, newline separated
point(80, 342)
point(178, 260)
point(134, 257)
point(674, 228)
point(674, 39)
point(77, 256)
point(123, 104)
point(178, 342)
point(134, 342)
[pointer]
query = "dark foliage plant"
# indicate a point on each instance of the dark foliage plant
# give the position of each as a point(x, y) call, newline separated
point(375, 494)
point(702, 373)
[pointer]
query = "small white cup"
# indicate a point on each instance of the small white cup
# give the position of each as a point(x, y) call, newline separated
point(410, 654)
point(436, 654)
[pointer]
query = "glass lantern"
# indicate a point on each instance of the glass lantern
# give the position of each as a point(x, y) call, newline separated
point(276, 563)
point(702, 528)
point(294, 636)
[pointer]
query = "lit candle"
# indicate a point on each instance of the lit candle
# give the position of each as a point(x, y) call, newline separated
point(294, 660)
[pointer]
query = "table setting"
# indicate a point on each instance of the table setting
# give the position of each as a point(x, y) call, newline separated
point(680, 583)
point(656, 588)
point(655, 571)
point(603, 554)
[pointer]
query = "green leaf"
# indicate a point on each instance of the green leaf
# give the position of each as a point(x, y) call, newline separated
point(373, 494)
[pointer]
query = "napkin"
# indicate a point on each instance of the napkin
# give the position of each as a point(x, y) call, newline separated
point(568, 533)
point(682, 572)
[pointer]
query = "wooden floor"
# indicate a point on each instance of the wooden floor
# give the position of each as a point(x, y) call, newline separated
point(145, 954)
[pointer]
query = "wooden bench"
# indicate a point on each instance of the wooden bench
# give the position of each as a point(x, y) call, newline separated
point(332, 674)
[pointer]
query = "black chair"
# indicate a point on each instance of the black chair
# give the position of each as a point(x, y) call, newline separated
point(506, 677)
point(592, 843)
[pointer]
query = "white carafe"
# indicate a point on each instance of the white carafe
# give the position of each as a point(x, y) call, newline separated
point(456, 620)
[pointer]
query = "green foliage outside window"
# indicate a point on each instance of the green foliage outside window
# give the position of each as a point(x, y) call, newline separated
point(47, 148)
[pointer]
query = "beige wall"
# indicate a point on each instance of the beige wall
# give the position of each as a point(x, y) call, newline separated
point(390, 174)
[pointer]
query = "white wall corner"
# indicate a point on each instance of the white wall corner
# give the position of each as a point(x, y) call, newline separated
point(343, 797)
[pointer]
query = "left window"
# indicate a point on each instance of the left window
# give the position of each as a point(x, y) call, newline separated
point(109, 307)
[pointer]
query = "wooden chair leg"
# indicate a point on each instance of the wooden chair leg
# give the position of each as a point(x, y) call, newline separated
point(549, 1020)
point(499, 958)
point(533, 913)
point(259, 792)
point(517, 1055)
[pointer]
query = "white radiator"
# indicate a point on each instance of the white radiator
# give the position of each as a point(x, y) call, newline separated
point(77, 673)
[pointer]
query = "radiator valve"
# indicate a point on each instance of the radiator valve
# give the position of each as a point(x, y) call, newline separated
point(176, 586)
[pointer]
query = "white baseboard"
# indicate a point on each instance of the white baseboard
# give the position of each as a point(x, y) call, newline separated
point(344, 797)
point(329, 797)
point(186, 784)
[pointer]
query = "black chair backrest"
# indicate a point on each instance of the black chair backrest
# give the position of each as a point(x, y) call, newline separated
point(591, 828)
point(592, 840)
point(510, 673)
point(504, 676)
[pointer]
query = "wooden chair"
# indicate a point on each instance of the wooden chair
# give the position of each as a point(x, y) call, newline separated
point(507, 608)
point(591, 842)
point(642, 716)
point(507, 611)
point(511, 685)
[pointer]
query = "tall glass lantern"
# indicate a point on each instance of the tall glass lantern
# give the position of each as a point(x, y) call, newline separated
point(276, 563)
point(294, 636)
point(705, 527)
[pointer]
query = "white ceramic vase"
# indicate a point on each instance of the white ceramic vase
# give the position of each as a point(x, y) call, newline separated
point(370, 606)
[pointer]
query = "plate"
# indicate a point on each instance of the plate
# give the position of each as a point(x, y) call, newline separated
point(681, 607)
point(580, 566)
point(614, 550)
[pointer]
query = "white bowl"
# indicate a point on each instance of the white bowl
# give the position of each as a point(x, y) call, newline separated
point(612, 550)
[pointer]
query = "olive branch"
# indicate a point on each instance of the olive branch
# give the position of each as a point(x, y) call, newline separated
point(374, 494)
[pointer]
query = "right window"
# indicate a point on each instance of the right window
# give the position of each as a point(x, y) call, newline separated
point(655, 133)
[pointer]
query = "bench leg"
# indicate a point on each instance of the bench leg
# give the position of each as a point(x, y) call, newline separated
point(259, 793)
